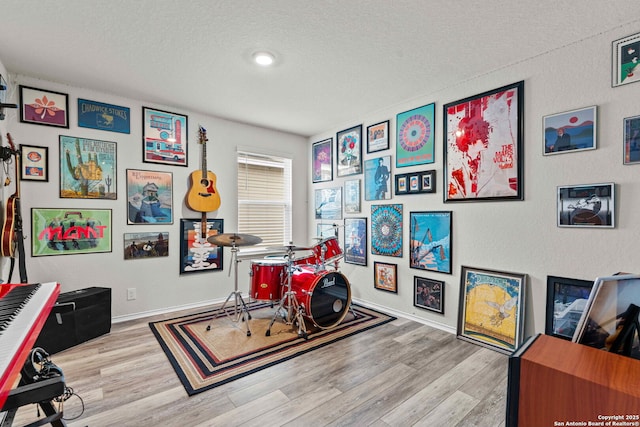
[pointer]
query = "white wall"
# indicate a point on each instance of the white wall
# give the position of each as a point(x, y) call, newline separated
point(158, 283)
point(521, 236)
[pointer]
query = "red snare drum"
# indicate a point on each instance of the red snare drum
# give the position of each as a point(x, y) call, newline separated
point(332, 251)
point(267, 276)
point(325, 295)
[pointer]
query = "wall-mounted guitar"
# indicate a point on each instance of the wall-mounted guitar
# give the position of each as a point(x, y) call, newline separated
point(203, 195)
point(12, 238)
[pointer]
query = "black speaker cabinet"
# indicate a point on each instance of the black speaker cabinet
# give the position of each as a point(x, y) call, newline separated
point(77, 316)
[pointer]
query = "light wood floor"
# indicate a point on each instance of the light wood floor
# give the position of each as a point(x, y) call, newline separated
point(400, 374)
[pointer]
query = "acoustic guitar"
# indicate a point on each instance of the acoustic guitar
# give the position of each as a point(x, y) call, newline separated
point(203, 195)
point(11, 212)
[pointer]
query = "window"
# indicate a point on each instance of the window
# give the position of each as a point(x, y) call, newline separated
point(264, 198)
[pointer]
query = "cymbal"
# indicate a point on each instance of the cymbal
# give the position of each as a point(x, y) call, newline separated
point(290, 248)
point(234, 239)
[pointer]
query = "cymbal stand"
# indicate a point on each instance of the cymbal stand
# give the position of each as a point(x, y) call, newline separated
point(240, 310)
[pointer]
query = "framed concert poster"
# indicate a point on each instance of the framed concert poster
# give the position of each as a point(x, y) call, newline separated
point(415, 136)
point(197, 254)
point(570, 131)
point(153, 244)
point(377, 178)
point(164, 137)
point(352, 196)
point(44, 107)
point(385, 276)
point(149, 197)
point(328, 203)
point(591, 205)
point(322, 166)
point(483, 152)
point(428, 294)
point(430, 241)
point(566, 300)
point(34, 162)
point(87, 168)
point(631, 140)
point(625, 60)
point(386, 230)
point(355, 234)
point(349, 151)
point(491, 311)
point(378, 137)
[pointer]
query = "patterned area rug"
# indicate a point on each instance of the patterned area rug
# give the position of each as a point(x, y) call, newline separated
point(204, 359)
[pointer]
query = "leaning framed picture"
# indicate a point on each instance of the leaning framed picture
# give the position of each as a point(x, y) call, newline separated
point(197, 254)
point(386, 230)
point(570, 131)
point(385, 276)
point(631, 140)
point(355, 233)
point(415, 136)
point(491, 311)
point(352, 196)
point(149, 197)
point(430, 241)
point(34, 163)
point(378, 137)
point(625, 60)
point(349, 151)
point(44, 107)
point(164, 137)
point(591, 205)
point(377, 178)
point(566, 300)
point(428, 294)
point(322, 160)
point(88, 168)
point(483, 146)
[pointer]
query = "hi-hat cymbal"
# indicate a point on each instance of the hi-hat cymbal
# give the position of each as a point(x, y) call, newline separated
point(234, 239)
point(290, 248)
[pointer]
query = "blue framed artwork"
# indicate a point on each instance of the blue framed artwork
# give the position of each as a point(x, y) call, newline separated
point(430, 241)
point(386, 230)
point(415, 136)
point(570, 131)
point(377, 182)
point(96, 115)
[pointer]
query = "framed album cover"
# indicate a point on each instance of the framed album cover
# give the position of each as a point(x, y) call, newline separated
point(428, 294)
point(385, 276)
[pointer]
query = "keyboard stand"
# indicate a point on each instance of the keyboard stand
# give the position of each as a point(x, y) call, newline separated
point(41, 392)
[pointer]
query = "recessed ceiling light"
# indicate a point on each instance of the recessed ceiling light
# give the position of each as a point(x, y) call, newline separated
point(263, 58)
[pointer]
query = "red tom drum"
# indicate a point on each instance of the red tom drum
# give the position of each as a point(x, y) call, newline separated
point(267, 277)
point(331, 249)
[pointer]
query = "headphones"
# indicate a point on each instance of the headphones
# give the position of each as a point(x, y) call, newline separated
point(39, 367)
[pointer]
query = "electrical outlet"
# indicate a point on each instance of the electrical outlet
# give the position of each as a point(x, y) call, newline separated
point(131, 294)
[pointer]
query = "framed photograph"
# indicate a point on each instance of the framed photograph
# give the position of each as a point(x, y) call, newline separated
point(385, 276)
point(430, 241)
point(164, 137)
point(386, 230)
point(70, 231)
point(401, 184)
point(378, 137)
point(355, 232)
point(377, 174)
point(44, 107)
point(483, 151)
point(631, 140)
point(491, 311)
point(149, 197)
point(349, 151)
point(328, 203)
point(570, 131)
point(153, 244)
point(566, 300)
point(87, 168)
point(352, 196)
point(109, 117)
point(428, 181)
point(322, 167)
point(196, 252)
point(591, 205)
point(625, 60)
point(415, 136)
point(34, 163)
point(428, 294)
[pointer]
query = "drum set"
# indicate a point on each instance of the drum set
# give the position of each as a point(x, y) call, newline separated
point(308, 288)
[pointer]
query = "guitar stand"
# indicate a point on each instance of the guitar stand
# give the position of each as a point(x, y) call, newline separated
point(295, 311)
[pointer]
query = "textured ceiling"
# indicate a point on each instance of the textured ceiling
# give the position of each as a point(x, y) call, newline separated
point(337, 60)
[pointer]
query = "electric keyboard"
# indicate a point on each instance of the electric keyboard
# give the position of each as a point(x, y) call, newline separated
point(24, 308)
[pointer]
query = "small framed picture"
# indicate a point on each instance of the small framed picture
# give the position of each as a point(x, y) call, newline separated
point(428, 182)
point(378, 137)
point(631, 140)
point(164, 137)
point(570, 131)
point(625, 60)
point(34, 162)
point(322, 153)
point(355, 233)
point(428, 294)
point(414, 183)
point(566, 300)
point(385, 276)
point(349, 151)
point(352, 196)
point(153, 244)
point(401, 184)
point(591, 205)
point(44, 107)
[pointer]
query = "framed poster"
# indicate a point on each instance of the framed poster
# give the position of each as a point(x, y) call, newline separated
point(491, 311)
point(385, 276)
point(149, 197)
point(415, 136)
point(164, 137)
point(352, 196)
point(377, 174)
point(97, 115)
point(328, 203)
point(197, 254)
point(428, 294)
point(483, 151)
point(153, 244)
point(378, 137)
point(625, 60)
point(566, 300)
point(70, 231)
point(34, 163)
point(591, 205)
point(87, 168)
point(349, 151)
point(631, 140)
point(322, 167)
point(570, 131)
point(355, 233)
point(44, 107)
point(386, 230)
point(430, 241)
